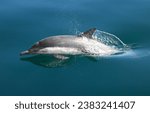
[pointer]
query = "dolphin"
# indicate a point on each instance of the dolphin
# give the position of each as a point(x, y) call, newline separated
point(62, 46)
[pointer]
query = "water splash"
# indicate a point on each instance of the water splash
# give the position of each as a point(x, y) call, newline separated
point(126, 51)
point(109, 40)
point(106, 45)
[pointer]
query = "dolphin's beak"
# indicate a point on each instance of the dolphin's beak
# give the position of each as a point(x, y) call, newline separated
point(24, 53)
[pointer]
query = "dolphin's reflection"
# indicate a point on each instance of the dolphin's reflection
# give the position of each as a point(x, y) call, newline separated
point(47, 61)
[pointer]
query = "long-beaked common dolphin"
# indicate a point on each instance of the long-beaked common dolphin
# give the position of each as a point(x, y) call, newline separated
point(82, 44)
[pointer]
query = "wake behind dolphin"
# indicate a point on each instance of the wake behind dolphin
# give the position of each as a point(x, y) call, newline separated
point(90, 43)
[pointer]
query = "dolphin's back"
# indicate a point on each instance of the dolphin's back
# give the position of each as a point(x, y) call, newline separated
point(54, 41)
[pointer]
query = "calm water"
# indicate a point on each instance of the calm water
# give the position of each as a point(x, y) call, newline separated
point(23, 22)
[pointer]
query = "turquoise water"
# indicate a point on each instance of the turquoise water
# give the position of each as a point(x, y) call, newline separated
point(23, 22)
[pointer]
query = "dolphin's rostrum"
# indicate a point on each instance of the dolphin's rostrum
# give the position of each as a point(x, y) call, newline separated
point(83, 44)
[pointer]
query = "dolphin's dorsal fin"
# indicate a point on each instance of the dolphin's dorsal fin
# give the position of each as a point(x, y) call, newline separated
point(88, 33)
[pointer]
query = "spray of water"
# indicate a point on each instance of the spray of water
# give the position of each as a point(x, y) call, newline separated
point(109, 39)
point(128, 51)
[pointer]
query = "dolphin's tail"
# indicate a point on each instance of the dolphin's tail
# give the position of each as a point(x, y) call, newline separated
point(24, 53)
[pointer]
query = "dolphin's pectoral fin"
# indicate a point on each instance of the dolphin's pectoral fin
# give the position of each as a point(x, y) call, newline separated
point(88, 33)
point(61, 57)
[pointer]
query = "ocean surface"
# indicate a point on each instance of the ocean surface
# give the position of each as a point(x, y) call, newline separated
point(23, 22)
